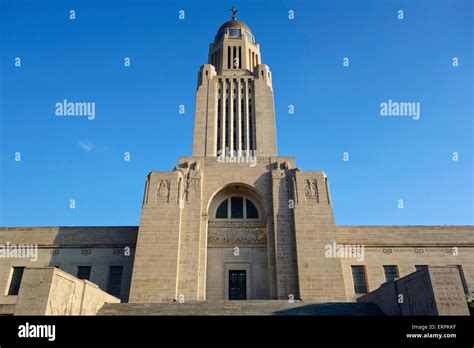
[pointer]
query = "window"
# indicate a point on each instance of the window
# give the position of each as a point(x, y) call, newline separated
point(419, 267)
point(391, 272)
point(252, 212)
point(221, 212)
point(16, 280)
point(240, 58)
point(115, 280)
point(237, 208)
point(249, 36)
point(84, 272)
point(234, 32)
point(358, 276)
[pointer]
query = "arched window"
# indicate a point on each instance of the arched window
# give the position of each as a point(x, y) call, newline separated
point(252, 212)
point(221, 212)
point(237, 207)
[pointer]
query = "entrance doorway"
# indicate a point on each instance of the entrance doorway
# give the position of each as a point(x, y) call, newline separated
point(237, 285)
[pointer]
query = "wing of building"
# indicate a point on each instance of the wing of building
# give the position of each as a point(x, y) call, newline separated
point(235, 220)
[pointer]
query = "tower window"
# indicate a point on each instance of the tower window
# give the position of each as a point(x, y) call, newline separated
point(251, 127)
point(242, 123)
point(234, 62)
point(219, 119)
point(234, 32)
point(227, 116)
point(240, 57)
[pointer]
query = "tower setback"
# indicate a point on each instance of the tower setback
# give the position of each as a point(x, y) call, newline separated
point(235, 220)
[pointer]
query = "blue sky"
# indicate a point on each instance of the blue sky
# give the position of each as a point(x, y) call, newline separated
point(337, 109)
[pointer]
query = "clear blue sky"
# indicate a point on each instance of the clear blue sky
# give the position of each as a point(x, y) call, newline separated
point(336, 108)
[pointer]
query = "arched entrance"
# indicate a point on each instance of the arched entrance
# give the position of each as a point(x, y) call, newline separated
point(237, 260)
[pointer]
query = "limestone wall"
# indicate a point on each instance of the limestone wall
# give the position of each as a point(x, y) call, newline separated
point(50, 291)
point(406, 247)
point(320, 277)
point(430, 291)
point(155, 269)
point(68, 248)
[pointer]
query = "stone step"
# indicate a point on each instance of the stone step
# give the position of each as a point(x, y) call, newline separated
point(269, 307)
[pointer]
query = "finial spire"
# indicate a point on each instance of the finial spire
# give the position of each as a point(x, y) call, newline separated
point(234, 13)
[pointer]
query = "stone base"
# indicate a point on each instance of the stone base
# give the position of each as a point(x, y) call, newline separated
point(227, 308)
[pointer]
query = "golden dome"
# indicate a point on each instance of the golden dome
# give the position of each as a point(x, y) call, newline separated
point(234, 24)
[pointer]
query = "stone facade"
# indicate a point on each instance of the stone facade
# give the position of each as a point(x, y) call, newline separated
point(406, 247)
point(428, 291)
point(235, 206)
point(68, 248)
point(50, 291)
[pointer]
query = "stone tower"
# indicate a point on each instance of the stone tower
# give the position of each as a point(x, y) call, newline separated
point(235, 220)
point(234, 104)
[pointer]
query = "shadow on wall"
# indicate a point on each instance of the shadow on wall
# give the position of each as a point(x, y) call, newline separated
point(334, 309)
point(102, 255)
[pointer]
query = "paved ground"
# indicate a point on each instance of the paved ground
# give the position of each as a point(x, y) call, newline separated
point(240, 308)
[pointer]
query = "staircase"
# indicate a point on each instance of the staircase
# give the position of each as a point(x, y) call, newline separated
point(260, 307)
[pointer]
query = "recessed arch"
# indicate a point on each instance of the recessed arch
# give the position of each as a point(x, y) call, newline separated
point(252, 199)
point(237, 241)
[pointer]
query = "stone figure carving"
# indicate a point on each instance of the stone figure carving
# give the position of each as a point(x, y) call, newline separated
point(311, 189)
point(189, 178)
point(285, 166)
point(163, 190)
point(294, 186)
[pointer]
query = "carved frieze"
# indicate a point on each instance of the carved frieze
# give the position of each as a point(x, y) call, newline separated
point(233, 234)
